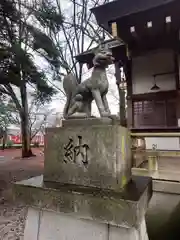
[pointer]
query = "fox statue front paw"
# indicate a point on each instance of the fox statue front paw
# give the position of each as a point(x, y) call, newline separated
point(105, 114)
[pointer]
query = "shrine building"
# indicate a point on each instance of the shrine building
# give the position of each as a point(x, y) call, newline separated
point(146, 44)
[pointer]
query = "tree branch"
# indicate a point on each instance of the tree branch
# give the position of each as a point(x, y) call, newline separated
point(13, 96)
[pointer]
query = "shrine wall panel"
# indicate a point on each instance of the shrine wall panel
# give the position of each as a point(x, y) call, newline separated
point(144, 67)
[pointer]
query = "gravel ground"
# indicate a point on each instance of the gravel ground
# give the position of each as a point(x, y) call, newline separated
point(13, 168)
point(12, 220)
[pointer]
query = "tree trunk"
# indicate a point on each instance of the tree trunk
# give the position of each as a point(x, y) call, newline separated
point(4, 141)
point(25, 133)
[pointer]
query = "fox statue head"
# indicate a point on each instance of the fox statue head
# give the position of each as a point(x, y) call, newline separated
point(103, 58)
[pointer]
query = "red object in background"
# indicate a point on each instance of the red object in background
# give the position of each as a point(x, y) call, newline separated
point(16, 139)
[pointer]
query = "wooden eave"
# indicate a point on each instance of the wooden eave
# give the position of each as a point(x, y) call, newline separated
point(133, 16)
point(123, 8)
point(118, 49)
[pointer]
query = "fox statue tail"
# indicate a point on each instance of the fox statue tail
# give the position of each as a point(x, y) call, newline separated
point(69, 84)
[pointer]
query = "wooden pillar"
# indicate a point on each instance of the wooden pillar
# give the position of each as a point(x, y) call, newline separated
point(153, 162)
point(176, 70)
point(121, 92)
point(153, 159)
point(128, 74)
point(178, 109)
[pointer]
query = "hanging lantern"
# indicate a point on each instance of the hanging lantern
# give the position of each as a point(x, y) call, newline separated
point(155, 87)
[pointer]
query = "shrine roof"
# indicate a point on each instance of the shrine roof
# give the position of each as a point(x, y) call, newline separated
point(122, 8)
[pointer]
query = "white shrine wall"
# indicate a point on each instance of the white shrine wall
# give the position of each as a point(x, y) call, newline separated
point(144, 67)
point(163, 143)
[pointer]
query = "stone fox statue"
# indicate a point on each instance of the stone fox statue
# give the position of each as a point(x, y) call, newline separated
point(80, 96)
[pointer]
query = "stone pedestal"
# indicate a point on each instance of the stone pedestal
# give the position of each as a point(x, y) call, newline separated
point(87, 191)
point(91, 152)
point(75, 212)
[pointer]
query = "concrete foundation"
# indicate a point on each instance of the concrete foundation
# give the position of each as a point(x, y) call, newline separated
point(46, 225)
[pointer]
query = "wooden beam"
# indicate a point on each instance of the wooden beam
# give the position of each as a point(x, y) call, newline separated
point(122, 108)
point(176, 68)
point(156, 134)
point(128, 75)
point(155, 96)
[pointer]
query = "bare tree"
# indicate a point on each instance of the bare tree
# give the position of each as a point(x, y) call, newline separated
point(8, 116)
point(38, 117)
point(79, 32)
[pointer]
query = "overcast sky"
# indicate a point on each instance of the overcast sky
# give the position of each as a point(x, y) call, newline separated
point(58, 100)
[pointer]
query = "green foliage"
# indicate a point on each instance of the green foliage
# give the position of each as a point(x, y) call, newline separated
point(42, 41)
point(19, 37)
point(25, 25)
point(9, 144)
point(48, 16)
point(8, 114)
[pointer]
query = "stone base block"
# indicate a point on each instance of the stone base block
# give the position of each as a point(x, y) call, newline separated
point(88, 154)
point(48, 225)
